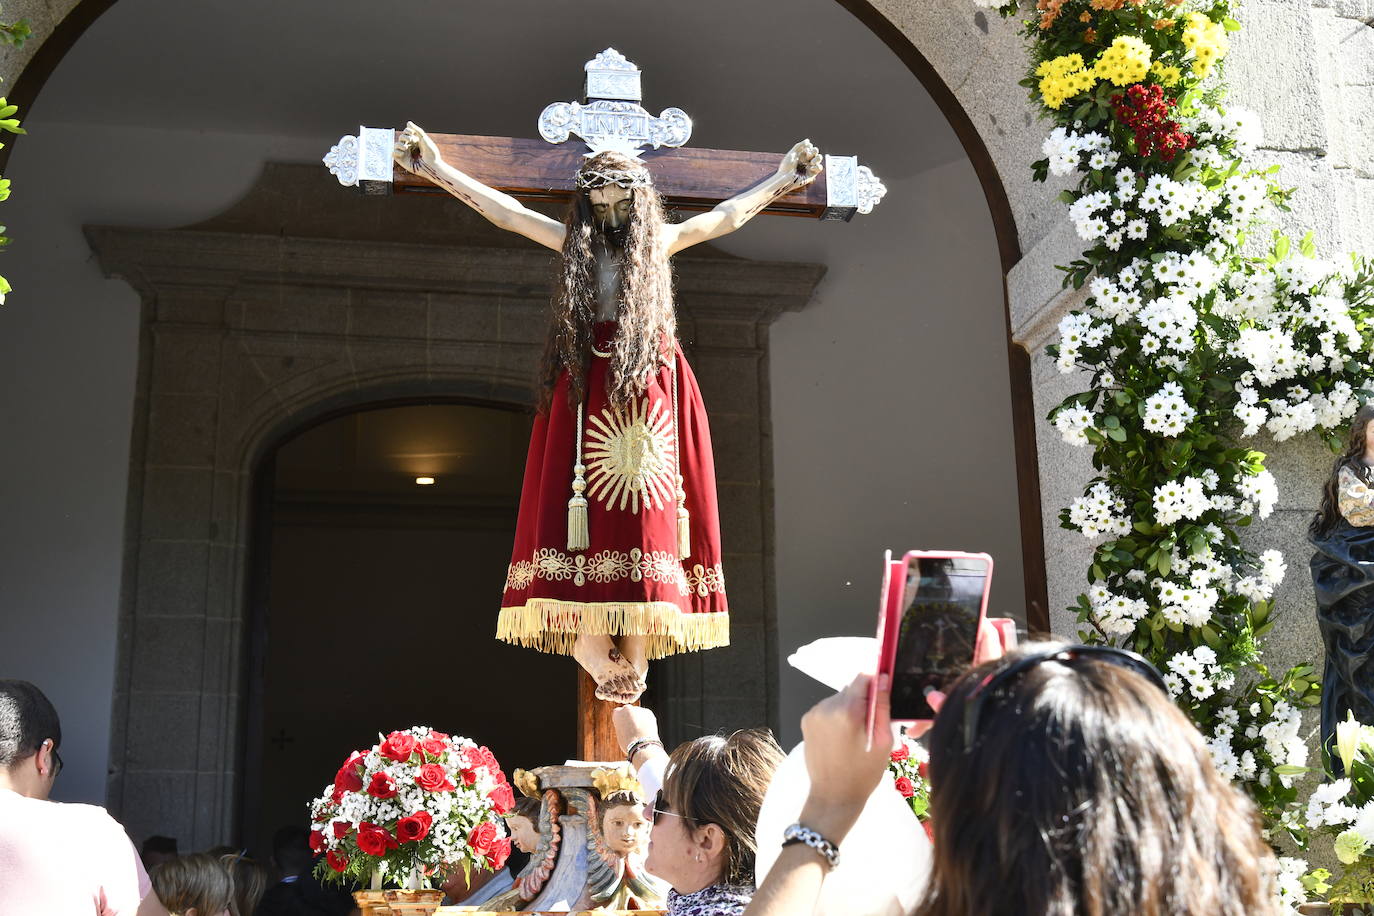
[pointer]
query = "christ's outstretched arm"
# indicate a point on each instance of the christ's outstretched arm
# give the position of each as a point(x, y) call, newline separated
point(415, 152)
point(798, 168)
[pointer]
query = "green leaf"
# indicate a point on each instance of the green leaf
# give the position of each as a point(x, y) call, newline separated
point(1230, 24)
point(1290, 769)
point(1211, 637)
point(1307, 246)
point(1067, 197)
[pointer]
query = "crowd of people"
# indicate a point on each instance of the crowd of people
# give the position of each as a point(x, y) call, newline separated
point(1064, 781)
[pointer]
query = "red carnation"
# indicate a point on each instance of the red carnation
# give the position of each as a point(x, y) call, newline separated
point(487, 759)
point(341, 829)
point(414, 828)
point(469, 776)
point(500, 852)
point(901, 753)
point(906, 787)
point(434, 744)
point(398, 746)
point(381, 786)
point(316, 841)
point(374, 840)
point(482, 839)
point(337, 860)
point(432, 778)
point(502, 798)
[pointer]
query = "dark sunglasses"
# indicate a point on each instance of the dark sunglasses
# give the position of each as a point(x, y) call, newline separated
point(661, 807)
point(988, 689)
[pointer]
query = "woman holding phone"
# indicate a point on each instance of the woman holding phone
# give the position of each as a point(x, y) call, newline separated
point(1064, 781)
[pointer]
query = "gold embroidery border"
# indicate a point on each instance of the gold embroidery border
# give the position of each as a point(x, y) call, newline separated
point(608, 566)
point(550, 625)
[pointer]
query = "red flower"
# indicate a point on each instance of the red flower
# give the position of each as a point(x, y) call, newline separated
point(398, 746)
point(487, 759)
point(500, 852)
point(906, 787)
point(316, 841)
point(374, 840)
point(923, 770)
point(337, 860)
point(901, 753)
point(502, 798)
point(469, 776)
point(349, 778)
point(482, 839)
point(341, 829)
point(434, 744)
point(414, 828)
point(381, 786)
point(432, 778)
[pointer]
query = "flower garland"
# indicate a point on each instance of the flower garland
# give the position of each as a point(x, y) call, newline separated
point(1192, 340)
point(419, 802)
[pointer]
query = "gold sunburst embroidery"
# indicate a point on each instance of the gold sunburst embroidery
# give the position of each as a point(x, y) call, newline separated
point(630, 457)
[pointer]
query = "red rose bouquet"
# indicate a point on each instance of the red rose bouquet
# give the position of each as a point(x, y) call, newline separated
point(419, 803)
point(907, 766)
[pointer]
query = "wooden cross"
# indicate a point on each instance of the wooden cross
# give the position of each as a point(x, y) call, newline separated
point(281, 739)
point(609, 117)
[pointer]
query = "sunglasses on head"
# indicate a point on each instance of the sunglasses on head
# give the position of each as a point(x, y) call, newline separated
point(989, 687)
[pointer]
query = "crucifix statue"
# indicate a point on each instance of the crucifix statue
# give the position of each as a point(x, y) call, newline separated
point(617, 556)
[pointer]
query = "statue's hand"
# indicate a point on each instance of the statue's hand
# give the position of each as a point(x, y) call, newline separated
point(802, 163)
point(414, 146)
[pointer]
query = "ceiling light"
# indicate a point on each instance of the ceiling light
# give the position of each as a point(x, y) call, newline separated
point(424, 481)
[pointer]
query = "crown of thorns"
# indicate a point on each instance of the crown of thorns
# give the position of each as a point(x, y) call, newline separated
point(625, 178)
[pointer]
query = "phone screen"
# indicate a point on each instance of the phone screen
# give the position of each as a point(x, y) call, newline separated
point(937, 629)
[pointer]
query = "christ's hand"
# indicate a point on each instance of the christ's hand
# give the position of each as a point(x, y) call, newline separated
point(414, 147)
point(802, 163)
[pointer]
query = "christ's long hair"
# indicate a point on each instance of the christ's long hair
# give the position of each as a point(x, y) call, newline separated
point(1085, 792)
point(646, 324)
point(1329, 515)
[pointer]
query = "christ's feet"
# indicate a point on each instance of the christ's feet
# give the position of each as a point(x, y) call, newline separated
point(617, 681)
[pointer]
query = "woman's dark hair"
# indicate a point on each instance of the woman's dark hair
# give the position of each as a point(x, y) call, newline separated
point(1085, 792)
point(27, 719)
point(646, 323)
point(722, 780)
point(1329, 515)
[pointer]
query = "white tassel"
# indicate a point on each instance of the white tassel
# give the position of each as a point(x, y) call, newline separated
point(684, 523)
point(578, 536)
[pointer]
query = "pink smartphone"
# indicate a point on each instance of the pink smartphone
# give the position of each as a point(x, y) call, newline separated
point(933, 605)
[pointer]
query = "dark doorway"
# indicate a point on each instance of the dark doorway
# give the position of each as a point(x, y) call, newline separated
point(376, 597)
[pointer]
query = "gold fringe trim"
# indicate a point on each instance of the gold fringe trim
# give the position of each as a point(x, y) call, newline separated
point(550, 625)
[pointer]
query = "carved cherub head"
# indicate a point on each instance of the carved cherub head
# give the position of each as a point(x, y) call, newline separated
point(624, 828)
point(523, 823)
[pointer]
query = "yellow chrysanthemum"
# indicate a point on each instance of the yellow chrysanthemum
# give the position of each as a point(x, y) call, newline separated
point(1125, 62)
point(1166, 75)
point(1063, 78)
point(1207, 40)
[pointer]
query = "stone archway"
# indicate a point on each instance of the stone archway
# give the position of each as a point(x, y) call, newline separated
point(253, 326)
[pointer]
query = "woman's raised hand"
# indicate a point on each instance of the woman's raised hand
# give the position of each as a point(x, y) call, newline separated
point(844, 770)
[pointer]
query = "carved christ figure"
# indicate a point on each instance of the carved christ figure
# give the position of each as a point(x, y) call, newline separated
point(617, 549)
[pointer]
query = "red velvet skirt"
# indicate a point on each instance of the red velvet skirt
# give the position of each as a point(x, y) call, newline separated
point(632, 578)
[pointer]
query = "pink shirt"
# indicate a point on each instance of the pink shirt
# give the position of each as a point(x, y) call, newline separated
point(65, 859)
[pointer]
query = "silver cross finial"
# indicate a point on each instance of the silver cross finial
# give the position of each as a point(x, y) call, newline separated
point(611, 118)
